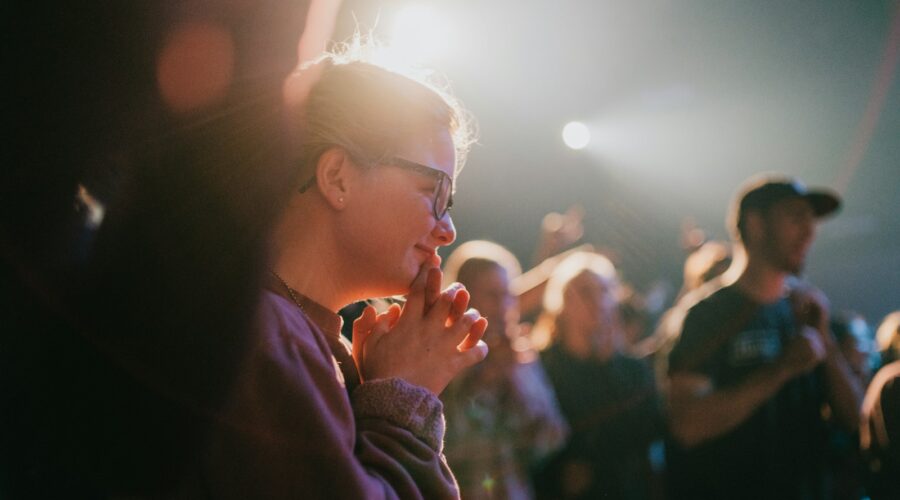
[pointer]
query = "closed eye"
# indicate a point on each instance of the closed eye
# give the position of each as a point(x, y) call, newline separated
point(427, 184)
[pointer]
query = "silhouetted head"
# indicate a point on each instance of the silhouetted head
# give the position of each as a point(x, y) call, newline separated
point(486, 269)
point(774, 217)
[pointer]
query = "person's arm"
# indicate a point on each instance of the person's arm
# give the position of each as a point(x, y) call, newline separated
point(530, 286)
point(700, 411)
point(291, 431)
point(559, 231)
point(880, 414)
point(531, 412)
point(845, 390)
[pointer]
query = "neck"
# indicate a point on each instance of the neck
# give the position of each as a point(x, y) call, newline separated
point(586, 344)
point(304, 256)
point(761, 281)
point(576, 344)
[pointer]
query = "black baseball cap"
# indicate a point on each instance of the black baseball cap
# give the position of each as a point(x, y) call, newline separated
point(761, 193)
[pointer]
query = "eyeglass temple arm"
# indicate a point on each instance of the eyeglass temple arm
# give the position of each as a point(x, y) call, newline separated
point(305, 187)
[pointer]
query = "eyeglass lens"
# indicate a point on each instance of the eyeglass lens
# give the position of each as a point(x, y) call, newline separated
point(442, 197)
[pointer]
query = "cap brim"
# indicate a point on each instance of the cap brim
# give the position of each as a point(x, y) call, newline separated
point(823, 203)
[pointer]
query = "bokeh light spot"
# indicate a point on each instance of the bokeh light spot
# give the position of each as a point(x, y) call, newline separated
point(576, 135)
point(195, 66)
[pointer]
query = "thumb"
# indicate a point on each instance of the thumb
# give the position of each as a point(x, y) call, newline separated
point(391, 316)
point(362, 328)
point(416, 298)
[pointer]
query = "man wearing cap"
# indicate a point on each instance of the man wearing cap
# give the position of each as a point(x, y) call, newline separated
point(756, 373)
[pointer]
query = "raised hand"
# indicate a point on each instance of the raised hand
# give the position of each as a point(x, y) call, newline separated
point(425, 344)
point(803, 352)
point(559, 231)
point(811, 307)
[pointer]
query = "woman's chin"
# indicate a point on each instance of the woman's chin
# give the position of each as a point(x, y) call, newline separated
point(397, 282)
point(396, 288)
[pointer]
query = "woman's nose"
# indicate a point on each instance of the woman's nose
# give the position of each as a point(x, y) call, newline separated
point(445, 231)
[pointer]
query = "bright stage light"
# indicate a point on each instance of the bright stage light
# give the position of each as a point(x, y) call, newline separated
point(576, 135)
point(420, 34)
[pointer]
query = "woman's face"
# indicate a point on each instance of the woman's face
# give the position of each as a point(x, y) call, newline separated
point(590, 304)
point(389, 226)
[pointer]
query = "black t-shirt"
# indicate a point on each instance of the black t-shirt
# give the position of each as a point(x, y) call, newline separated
point(612, 409)
point(778, 451)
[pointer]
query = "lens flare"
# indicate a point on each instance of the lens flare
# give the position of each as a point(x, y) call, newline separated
point(576, 135)
point(420, 34)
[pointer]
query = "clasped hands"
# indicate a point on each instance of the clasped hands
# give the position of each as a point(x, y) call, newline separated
point(427, 341)
point(813, 342)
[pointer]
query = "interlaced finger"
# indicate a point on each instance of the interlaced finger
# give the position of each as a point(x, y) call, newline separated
point(476, 332)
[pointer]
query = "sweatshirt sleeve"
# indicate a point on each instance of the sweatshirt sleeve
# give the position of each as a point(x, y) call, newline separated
point(292, 431)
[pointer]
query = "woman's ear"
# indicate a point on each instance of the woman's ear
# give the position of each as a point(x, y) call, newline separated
point(333, 177)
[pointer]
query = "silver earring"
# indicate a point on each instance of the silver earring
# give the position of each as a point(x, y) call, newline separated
point(341, 200)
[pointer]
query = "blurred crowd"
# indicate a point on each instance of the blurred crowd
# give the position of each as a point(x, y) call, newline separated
point(603, 360)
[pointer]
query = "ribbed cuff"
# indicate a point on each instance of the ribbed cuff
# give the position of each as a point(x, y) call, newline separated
point(402, 404)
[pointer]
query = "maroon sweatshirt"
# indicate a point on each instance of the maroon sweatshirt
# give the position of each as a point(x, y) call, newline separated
point(301, 426)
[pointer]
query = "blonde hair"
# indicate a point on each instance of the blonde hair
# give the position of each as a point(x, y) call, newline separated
point(888, 335)
point(479, 253)
point(545, 329)
point(705, 263)
point(370, 111)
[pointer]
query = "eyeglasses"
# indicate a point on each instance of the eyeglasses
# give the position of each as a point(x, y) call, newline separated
point(443, 188)
point(442, 197)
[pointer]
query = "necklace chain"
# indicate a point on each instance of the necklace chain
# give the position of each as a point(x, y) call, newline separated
point(291, 291)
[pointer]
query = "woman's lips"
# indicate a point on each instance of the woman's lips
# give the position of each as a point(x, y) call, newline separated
point(429, 252)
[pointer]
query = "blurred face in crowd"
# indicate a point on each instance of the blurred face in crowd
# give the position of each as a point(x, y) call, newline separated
point(789, 230)
point(491, 296)
point(590, 307)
